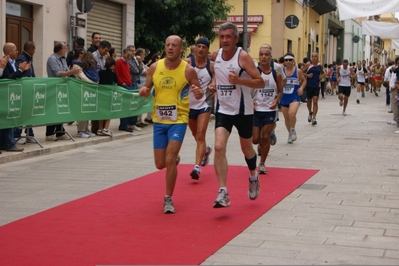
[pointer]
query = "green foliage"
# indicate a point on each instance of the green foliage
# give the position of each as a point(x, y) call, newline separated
point(157, 19)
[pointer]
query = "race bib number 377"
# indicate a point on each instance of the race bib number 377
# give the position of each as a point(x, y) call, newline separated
point(167, 112)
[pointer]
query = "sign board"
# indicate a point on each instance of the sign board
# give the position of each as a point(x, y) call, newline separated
point(291, 21)
point(78, 22)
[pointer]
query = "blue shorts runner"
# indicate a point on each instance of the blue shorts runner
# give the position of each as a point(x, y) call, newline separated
point(163, 133)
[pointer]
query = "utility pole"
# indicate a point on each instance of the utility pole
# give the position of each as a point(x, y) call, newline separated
point(245, 29)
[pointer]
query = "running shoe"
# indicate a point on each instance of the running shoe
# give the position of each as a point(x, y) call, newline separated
point(107, 132)
point(310, 117)
point(222, 200)
point(254, 189)
point(341, 102)
point(343, 113)
point(195, 173)
point(205, 159)
point(168, 205)
point(289, 141)
point(262, 168)
point(358, 101)
point(273, 139)
point(100, 133)
point(82, 134)
point(293, 134)
point(314, 122)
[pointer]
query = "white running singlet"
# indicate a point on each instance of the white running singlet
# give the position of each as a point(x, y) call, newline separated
point(204, 79)
point(264, 97)
point(344, 74)
point(231, 99)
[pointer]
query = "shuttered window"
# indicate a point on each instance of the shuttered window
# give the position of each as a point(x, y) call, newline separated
point(106, 18)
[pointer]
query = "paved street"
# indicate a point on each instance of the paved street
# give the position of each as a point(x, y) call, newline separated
point(348, 213)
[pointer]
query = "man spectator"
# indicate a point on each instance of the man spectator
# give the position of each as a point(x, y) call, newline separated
point(387, 76)
point(136, 68)
point(95, 42)
point(101, 54)
point(57, 67)
point(11, 71)
point(26, 56)
point(122, 71)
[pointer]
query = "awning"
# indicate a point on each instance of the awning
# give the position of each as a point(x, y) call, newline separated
point(251, 28)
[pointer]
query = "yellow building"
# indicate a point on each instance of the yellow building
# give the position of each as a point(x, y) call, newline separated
point(287, 25)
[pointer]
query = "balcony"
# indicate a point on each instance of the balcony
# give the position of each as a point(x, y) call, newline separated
point(324, 6)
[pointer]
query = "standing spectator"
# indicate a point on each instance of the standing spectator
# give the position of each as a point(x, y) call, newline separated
point(101, 54)
point(107, 77)
point(236, 76)
point(95, 42)
point(11, 71)
point(57, 67)
point(87, 66)
point(136, 66)
point(122, 71)
point(387, 76)
point(26, 56)
point(393, 88)
point(171, 108)
point(140, 54)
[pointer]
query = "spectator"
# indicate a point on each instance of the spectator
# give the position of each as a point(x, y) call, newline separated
point(57, 67)
point(95, 42)
point(107, 77)
point(11, 71)
point(26, 56)
point(122, 71)
point(87, 66)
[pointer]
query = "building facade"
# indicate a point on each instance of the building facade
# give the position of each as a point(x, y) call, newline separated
point(47, 21)
point(296, 26)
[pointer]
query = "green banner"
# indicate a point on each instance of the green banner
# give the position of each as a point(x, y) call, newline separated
point(44, 101)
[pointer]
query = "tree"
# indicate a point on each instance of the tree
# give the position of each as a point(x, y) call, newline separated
point(157, 19)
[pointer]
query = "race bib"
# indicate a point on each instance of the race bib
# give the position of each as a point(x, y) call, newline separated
point(226, 92)
point(288, 88)
point(167, 112)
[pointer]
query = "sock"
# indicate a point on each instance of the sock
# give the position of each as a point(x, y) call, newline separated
point(358, 95)
point(253, 178)
point(224, 188)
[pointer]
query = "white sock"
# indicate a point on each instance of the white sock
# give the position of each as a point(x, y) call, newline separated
point(224, 188)
point(253, 178)
point(358, 95)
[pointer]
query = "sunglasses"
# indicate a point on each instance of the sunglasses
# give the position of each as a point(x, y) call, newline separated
point(288, 59)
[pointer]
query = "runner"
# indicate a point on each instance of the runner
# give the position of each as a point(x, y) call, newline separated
point(293, 89)
point(360, 74)
point(344, 74)
point(200, 111)
point(265, 104)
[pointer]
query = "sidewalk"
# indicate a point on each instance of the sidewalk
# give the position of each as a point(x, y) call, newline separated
point(50, 147)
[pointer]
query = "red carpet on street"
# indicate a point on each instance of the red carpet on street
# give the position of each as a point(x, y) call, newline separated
point(125, 224)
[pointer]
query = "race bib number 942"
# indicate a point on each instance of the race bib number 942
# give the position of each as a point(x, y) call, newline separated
point(167, 112)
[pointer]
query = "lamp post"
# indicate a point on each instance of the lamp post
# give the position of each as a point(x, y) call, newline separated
point(244, 31)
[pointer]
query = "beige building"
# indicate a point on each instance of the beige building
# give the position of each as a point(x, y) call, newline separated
point(287, 25)
point(46, 21)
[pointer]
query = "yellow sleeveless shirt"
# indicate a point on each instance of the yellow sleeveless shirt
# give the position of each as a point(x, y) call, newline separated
point(171, 88)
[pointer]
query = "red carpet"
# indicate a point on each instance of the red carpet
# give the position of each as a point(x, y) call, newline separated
point(125, 224)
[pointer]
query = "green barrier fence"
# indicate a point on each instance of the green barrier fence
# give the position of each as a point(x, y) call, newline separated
point(44, 101)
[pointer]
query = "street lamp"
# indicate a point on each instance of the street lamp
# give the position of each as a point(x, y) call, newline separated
point(244, 31)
